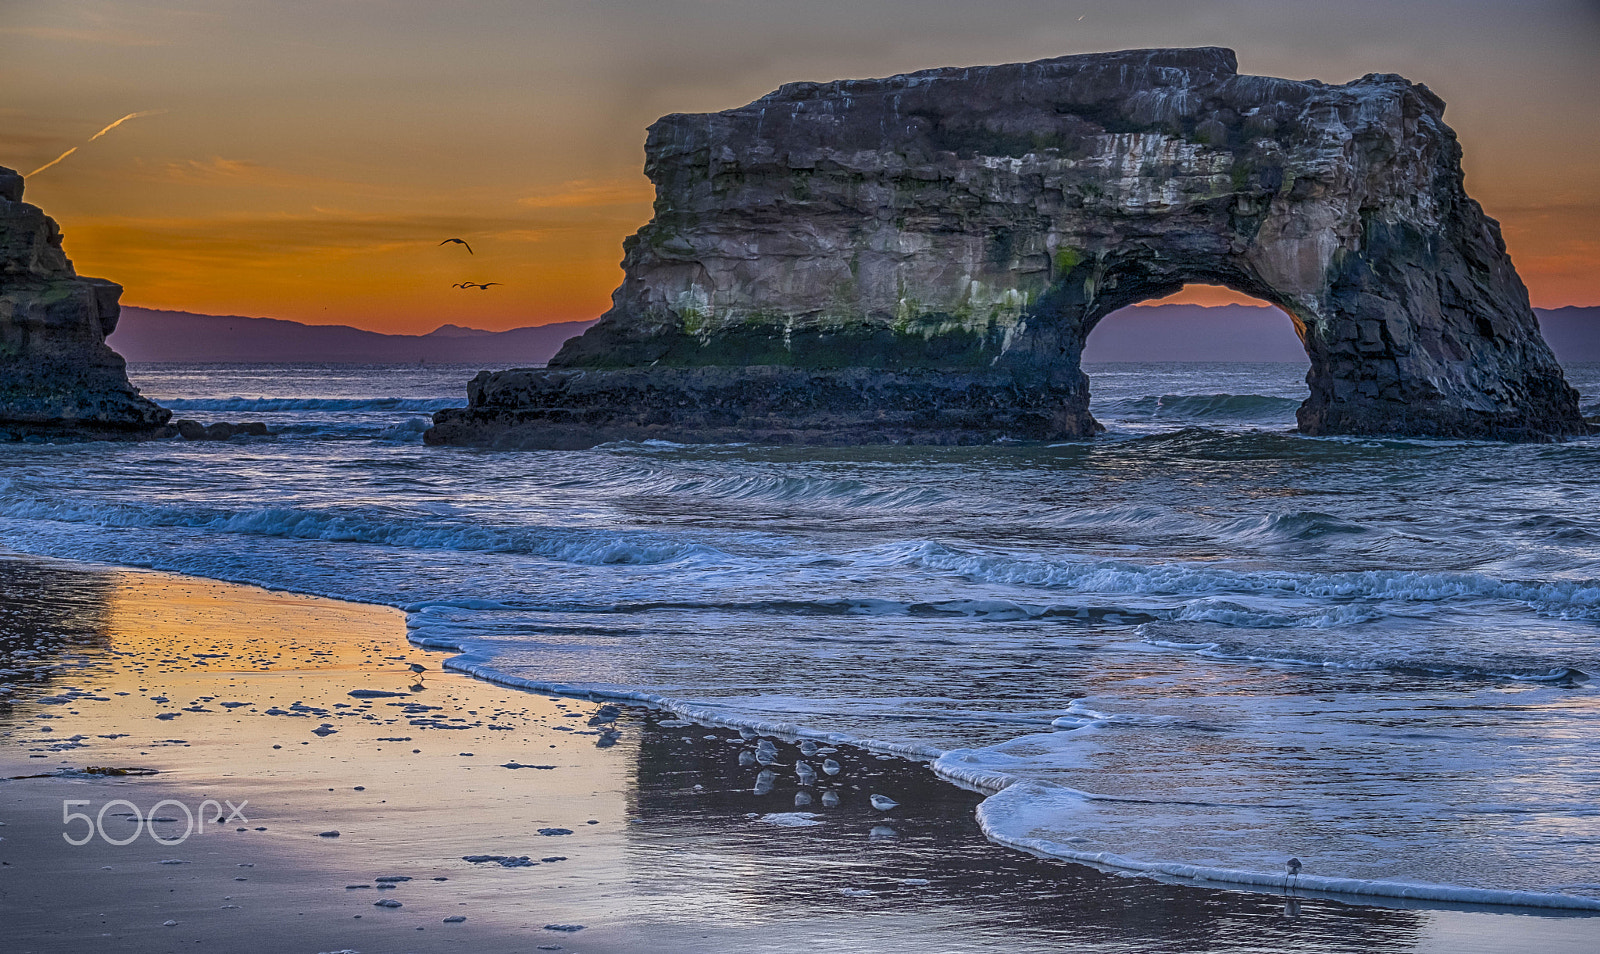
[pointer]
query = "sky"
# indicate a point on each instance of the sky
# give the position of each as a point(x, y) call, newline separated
point(302, 159)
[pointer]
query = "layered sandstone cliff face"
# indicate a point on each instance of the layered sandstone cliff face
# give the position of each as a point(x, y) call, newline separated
point(57, 376)
point(920, 258)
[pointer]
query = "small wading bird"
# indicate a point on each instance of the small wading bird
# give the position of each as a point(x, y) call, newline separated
point(484, 286)
point(461, 242)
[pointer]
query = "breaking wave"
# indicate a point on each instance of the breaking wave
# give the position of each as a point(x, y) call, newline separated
point(351, 525)
point(272, 405)
point(1564, 599)
point(1204, 407)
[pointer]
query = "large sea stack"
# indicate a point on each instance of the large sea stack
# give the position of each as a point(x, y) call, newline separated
point(919, 259)
point(57, 376)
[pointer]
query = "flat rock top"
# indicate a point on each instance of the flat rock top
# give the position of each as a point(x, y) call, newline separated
point(1125, 68)
point(1016, 108)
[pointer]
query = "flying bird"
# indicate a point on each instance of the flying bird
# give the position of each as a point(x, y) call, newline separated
point(458, 242)
point(481, 286)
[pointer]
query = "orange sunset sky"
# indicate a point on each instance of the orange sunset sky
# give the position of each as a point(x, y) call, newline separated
point(303, 159)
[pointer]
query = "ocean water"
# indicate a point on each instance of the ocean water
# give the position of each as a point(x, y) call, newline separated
point(1192, 648)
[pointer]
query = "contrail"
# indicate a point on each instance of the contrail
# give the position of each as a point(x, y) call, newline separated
point(52, 162)
point(148, 112)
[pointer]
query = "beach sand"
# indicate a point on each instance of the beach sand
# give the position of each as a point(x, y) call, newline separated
point(640, 832)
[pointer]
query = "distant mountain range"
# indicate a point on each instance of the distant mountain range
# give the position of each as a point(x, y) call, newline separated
point(1140, 333)
point(1194, 333)
point(145, 334)
point(1573, 332)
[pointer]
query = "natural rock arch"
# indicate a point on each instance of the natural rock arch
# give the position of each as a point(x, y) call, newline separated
point(920, 258)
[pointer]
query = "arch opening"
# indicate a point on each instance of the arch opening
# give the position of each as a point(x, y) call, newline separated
point(1204, 357)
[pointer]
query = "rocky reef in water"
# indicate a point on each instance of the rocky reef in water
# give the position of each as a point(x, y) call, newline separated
point(919, 259)
point(58, 378)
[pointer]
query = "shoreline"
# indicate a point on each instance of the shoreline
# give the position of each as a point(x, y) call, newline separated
point(990, 783)
point(680, 840)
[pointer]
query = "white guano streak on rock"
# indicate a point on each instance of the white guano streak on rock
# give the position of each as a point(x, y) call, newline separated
point(1127, 158)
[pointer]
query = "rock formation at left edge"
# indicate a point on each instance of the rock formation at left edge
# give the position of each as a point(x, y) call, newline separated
point(58, 378)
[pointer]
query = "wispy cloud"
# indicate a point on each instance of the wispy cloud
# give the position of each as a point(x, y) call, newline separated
point(216, 168)
point(105, 37)
point(247, 172)
point(592, 193)
point(326, 232)
point(127, 23)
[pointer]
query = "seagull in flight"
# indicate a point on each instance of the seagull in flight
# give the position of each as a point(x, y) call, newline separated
point(462, 242)
point(481, 286)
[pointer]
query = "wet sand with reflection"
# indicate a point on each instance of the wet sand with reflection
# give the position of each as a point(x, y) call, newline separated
point(243, 697)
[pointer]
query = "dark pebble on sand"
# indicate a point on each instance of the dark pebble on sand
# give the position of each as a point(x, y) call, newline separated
point(504, 861)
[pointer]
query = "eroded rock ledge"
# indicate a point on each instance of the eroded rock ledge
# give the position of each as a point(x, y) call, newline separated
point(920, 259)
point(58, 378)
